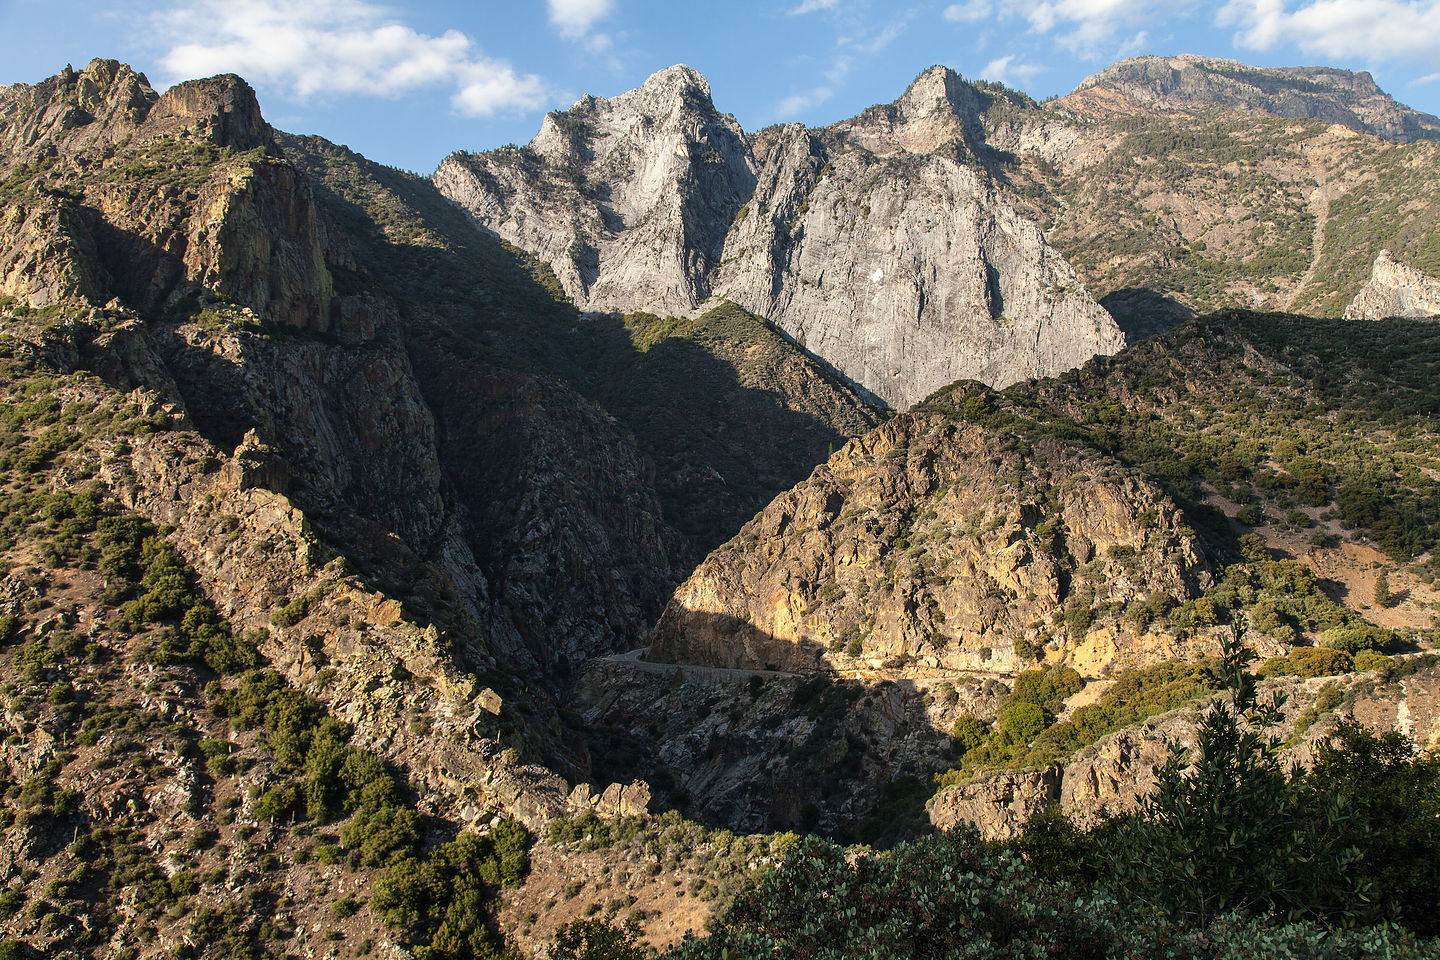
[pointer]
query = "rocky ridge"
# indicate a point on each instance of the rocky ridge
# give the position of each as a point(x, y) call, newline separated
point(653, 200)
point(1395, 290)
point(936, 543)
point(327, 424)
point(226, 213)
point(1175, 185)
point(493, 513)
point(1192, 83)
point(1110, 777)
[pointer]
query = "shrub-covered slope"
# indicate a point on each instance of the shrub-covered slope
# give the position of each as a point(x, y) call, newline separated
point(1074, 533)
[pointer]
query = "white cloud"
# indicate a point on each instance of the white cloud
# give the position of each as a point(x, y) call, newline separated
point(1091, 29)
point(574, 18)
point(797, 104)
point(810, 6)
point(879, 39)
point(839, 70)
point(1370, 29)
point(884, 38)
point(970, 11)
point(1421, 81)
point(337, 47)
point(1010, 71)
point(1134, 45)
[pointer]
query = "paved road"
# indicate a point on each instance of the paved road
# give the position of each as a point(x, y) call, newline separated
point(632, 658)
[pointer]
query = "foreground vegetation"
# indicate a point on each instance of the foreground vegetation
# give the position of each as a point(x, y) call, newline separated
point(1233, 855)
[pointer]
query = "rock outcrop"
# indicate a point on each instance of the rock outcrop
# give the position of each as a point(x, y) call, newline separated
point(881, 245)
point(1192, 83)
point(628, 198)
point(162, 193)
point(1111, 776)
point(999, 805)
point(1395, 290)
point(932, 542)
point(771, 751)
point(490, 518)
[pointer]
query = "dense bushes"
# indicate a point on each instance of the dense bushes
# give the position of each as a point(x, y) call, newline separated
point(445, 899)
point(1230, 829)
point(1308, 662)
point(317, 774)
point(955, 896)
point(1232, 856)
point(1021, 740)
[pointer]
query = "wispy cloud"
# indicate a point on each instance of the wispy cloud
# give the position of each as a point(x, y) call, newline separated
point(810, 6)
point(884, 38)
point(574, 18)
point(1370, 29)
point(873, 41)
point(1421, 81)
point(792, 106)
point(971, 11)
point(1093, 29)
point(1010, 70)
point(337, 47)
point(1134, 45)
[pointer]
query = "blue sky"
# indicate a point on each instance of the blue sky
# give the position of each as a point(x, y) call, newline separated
point(406, 83)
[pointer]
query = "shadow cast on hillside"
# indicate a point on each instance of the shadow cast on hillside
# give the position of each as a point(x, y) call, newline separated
point(721, 449)
point(752, 749)
point(1141, 313)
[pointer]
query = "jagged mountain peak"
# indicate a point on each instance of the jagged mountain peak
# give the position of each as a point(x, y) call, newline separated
point(1189, 82)
point(677, 80)
point(109, 102)
point(936, 109)
point(105, 98)
point(676, 99)
point(673, 91)
point(904, 275)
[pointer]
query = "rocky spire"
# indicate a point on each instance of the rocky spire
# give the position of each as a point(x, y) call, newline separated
point(1395, 290)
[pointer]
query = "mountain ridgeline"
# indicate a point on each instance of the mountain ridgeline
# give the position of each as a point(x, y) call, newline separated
point(902, 267)
point(379, 554)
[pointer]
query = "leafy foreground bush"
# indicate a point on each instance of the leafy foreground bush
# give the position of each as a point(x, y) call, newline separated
point(1234, 829)
point(955, 896)
point(1232, 856)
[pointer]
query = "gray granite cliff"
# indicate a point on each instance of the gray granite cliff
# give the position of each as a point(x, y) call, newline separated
point(880, 244)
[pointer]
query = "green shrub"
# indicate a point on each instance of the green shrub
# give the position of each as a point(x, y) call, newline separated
point(1308, 662)
point(1358, 635)
point(1022, 721)
point(1048, 688)
point(292, 613)
point(969, 732)
point(444, 901)
point(1078, 620)
point(1367, 660)
point(278, 803)
point(598, 939)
